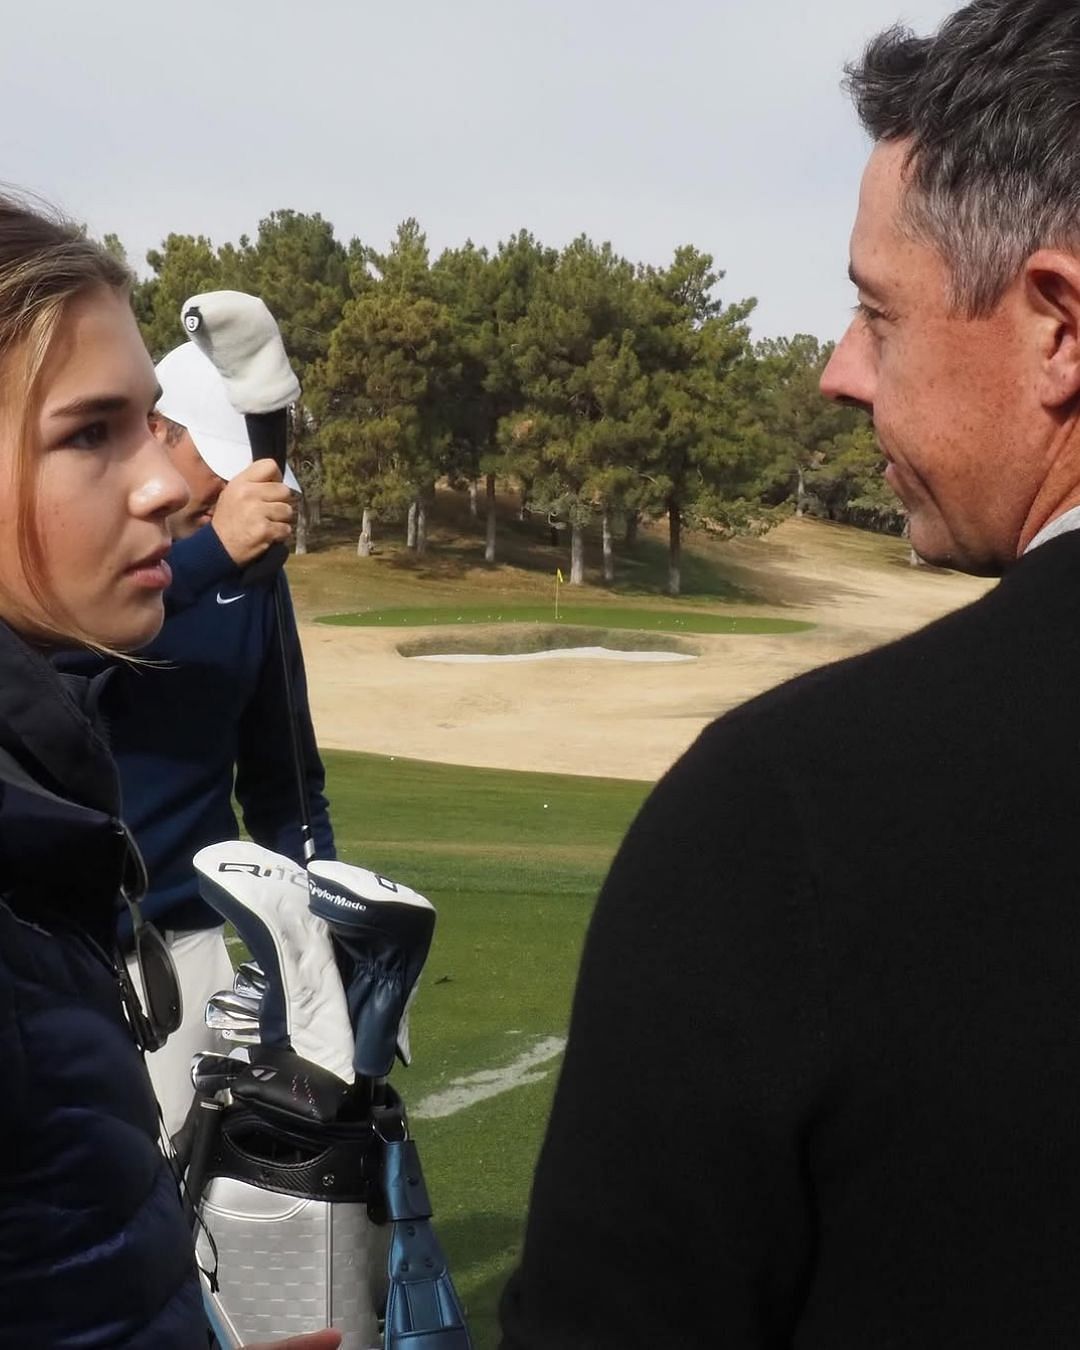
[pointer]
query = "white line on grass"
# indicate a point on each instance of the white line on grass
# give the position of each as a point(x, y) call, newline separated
point(478, 1087)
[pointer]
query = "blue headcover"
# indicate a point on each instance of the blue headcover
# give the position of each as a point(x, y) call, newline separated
point(382, 932)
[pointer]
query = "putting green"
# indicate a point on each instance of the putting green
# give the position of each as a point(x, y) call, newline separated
point(596, 616)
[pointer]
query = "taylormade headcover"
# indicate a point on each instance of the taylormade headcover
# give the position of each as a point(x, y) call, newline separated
point(265, 896)
point(241, 337)
point(383, 932)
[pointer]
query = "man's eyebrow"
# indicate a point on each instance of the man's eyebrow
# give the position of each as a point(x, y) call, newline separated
point(99, 404)
point(861, 283)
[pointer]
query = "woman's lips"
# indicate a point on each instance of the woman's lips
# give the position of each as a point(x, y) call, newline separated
point(153, 571)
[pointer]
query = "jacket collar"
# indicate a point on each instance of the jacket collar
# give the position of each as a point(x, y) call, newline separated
point(46, 724)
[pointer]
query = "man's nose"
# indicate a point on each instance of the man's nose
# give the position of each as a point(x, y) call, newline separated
point(848, 376)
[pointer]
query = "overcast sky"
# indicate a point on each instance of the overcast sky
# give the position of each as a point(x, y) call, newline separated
point(713, 122)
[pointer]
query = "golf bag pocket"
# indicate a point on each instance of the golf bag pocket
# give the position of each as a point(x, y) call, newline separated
point(286, 1264)
point(287, 1210)
point(382, 932)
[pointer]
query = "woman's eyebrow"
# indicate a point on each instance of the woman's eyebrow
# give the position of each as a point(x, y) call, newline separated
point(97, 404)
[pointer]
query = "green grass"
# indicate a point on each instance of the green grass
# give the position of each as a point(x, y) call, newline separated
point(599, 616)
point(512, 862)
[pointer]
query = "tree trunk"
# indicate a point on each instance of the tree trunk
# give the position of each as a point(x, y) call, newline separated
point(421, 526)
point(630, 537)
point(523, 509)
point(301, 527)
point(473, 512)
point(609, 557)
point(577, 555)
point(410, 527)
point(800, 492)
point(489, 543)
point(674, 548)
point(363, 544)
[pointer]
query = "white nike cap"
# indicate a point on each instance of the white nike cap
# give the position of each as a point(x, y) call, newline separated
point(193, 395)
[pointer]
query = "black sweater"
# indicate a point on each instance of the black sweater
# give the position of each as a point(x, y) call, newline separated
point(822, 1088)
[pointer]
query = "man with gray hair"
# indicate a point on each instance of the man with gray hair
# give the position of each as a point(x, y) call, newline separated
point(822, 1087)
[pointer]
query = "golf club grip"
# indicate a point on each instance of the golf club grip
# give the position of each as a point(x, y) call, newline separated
point(268, 435)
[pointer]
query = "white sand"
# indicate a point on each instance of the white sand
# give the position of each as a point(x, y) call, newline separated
point(620, 718)
point(558, 653)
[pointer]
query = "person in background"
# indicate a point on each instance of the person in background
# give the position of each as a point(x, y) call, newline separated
point(203, 714)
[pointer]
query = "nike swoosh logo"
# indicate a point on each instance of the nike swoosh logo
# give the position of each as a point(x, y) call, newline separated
point(230, 599)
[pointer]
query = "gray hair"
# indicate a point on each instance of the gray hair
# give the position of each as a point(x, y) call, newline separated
point(991, 106)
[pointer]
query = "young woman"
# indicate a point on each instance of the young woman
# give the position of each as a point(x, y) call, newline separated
point(94, 1250)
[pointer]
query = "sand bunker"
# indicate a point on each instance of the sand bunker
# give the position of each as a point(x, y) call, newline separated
point(554, 654)
point(612, 717)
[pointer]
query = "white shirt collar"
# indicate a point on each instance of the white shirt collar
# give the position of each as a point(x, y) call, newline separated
point(1070, 520)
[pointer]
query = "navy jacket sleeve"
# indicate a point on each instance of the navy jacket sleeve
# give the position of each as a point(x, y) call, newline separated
point(670, 1205)
point(265, 774)
point(197, 562)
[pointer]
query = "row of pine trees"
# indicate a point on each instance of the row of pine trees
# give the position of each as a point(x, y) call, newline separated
point(605, 392)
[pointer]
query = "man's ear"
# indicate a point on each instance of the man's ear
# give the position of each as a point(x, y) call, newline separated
point(1051, 280)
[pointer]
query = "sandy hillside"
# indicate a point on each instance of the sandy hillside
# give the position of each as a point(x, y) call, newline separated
point(616, 719)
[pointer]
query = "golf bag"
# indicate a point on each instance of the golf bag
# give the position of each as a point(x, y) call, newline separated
point(307, 1180)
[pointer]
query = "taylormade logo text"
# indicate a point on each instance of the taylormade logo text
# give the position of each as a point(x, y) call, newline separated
point(334, 897)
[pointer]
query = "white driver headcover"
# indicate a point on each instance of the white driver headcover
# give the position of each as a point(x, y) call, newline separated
point(265, 896)
point(241, 337)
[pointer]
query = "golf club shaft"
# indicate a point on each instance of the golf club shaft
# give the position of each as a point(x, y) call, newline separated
point(268, 437)
point(307, 843)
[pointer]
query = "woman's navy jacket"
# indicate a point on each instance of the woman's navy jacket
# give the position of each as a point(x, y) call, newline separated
point(94, 1251)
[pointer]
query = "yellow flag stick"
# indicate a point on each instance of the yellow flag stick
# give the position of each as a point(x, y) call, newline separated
point(558, 583)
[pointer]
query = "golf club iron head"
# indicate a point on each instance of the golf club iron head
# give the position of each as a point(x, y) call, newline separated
point(241, 1035)
point(250, 980)
point(229, 1019)
point(240, 1005)
point(383, 932)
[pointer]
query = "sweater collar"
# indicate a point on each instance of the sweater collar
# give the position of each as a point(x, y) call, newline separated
point(46, 724)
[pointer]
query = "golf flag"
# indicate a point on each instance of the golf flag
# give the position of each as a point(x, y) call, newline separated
point(559, 576)
point(558, 583)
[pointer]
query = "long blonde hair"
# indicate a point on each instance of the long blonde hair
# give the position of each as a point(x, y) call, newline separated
point(45, 263)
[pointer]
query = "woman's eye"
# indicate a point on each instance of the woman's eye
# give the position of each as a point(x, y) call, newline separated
point(90, 437)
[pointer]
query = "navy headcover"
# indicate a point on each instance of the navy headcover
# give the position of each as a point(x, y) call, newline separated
point(382, 932)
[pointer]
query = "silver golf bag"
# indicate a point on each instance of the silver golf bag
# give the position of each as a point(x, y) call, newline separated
point(312, 1202)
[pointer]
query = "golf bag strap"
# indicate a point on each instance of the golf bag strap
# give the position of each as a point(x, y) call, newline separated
point(422, 1308)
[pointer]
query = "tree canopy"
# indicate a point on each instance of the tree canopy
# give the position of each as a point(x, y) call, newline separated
point(605, 391)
